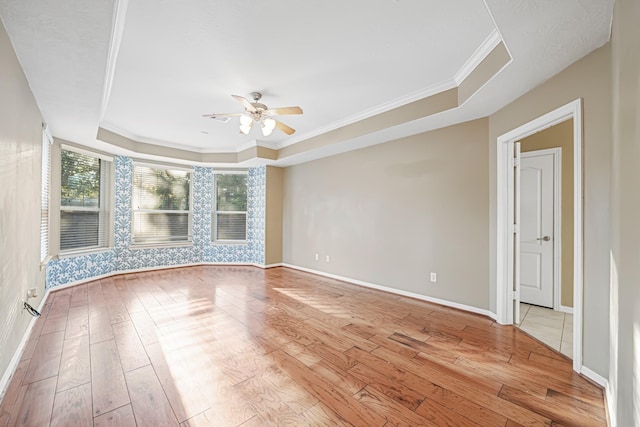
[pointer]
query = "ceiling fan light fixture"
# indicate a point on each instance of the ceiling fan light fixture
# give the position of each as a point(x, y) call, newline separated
point(268, 125)
point(256, 112)
point(245, 129)
point(246, 120)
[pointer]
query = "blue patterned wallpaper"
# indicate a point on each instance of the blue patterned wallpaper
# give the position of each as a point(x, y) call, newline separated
point(123, 257)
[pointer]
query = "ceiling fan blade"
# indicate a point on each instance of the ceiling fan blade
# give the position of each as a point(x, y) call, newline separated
point(284, 128)
point(284, 110)
point(245, 103)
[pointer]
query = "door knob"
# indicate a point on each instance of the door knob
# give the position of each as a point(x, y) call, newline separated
point(545, 238)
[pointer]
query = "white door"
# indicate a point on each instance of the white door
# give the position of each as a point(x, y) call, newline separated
point(537, 172)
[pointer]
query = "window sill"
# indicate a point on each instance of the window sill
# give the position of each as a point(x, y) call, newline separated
point(72, 254)
point(44, 262)
point(138, 246)
point(229, 242)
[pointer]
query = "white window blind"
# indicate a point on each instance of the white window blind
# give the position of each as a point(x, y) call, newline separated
point(44, 196)
point(229, 217)
point(161, 205)
point(84, 214)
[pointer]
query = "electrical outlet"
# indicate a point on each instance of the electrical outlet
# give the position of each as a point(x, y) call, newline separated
point(327, 258)
point(317, 257)
point(433, 277)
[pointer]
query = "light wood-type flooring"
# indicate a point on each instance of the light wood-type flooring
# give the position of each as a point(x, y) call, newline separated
point(242, 346)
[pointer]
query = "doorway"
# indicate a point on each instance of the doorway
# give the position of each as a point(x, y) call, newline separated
point(543, 199)
point(508, 229)
point(540, 223)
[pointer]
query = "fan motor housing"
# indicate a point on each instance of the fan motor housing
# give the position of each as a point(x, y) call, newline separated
point(259, 106)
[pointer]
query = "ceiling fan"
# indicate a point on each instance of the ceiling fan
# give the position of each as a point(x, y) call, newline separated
point(256, 112)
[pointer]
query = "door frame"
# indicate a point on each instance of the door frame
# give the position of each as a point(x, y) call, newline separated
point(557, 218)
point(505, 218)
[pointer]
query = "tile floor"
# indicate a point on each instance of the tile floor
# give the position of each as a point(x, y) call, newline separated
point(553, 328)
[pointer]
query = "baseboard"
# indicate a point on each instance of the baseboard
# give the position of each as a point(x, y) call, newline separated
point(15, 360)
point(279, 264)
point(565, 309)
point(160, 267)
point(395, 291)
point(612, 419)
point(596, 378)
point(608, 397)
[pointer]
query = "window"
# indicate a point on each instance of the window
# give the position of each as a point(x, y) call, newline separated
point(44, 196)
point(229, 216)
point(84, 217)
point(161, 205)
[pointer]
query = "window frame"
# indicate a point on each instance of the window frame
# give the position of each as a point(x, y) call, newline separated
point(215, 212)
point(155, 244)
point(45, 197)
point(105, 208)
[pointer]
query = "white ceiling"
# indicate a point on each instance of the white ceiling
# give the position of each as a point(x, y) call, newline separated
point(149, 69)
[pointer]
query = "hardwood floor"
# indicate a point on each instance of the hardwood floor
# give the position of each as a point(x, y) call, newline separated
point(242, 346)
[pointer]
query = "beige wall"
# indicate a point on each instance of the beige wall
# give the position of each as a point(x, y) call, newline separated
point(589, 79)
point(561, 135)
point(624, 373)
point(273, 216)
point(20, 173)
point(392, 213)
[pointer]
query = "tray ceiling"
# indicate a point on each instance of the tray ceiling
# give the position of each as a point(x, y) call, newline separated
point(148, 70)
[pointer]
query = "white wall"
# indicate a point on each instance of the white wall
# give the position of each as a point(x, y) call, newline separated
point(624, 373)
point(20, 178)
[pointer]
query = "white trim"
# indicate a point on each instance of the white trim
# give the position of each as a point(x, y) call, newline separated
point(247, 145)
point(503, 179)
point(485, 48)
point(612, 417)
point(47, 133)
point(86, 152)
point(266, 266)
point(160, 267)
point(267, 144)
point(240, 264)
point(557, 211)
point(382, 108)
point(161, 245)
point(82, 252)
point(15, 360)
point(163, 166)
point(565, 309)
point(495, 25)
point(228, 242)
point(608, 393)
point(162, 143)
point(218, 171)
point(596, 378)
point(572, 110)
point(117, 29)
point(577, 233)
point(394, 291)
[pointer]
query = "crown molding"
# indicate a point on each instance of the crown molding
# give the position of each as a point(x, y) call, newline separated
point(137, 138)
point(267, 144)
point(485, 48)
point(382, 108)
point(117, 28)
point(247, 145)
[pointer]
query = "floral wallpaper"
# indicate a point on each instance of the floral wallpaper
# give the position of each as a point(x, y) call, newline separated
point(123, 257)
